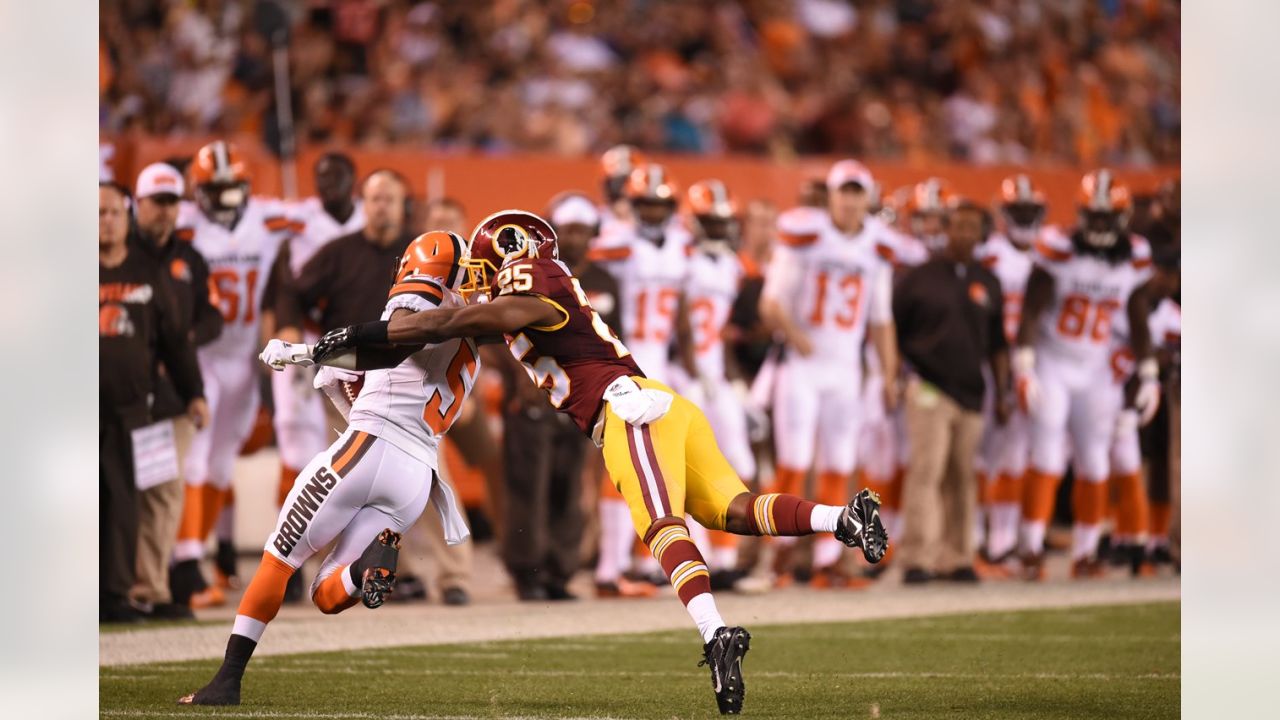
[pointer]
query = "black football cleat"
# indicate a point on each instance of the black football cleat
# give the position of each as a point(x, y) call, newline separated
point(724, 654)
point(378, 568)
point(219, 691)
point(860, 527)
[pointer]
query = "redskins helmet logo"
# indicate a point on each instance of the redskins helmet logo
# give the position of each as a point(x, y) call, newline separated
point(513, 241)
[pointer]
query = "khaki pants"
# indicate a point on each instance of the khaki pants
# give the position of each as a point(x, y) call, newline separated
point(159, 511)
point(425, 540)
point(939, 494)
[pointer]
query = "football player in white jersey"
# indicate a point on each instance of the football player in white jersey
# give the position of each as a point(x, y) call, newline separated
point(299, 412)
point(649, 257)
point(617, 163)
point(1076, 288)
point(826, 289)
point(238, 236)
point(1132, 511)
point(715, 275)
point(1005, 448)
point(376, 479)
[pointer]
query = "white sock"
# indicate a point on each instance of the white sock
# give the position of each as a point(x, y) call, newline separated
point(724, 558)
point(615, 548)
point(824, 517)
point(1033, 537)
point(702, 608)
point(1003, 535)
point(826, 552)
point(248, 627)
point(700, 536)
point(1084, 540)
point(347, 583)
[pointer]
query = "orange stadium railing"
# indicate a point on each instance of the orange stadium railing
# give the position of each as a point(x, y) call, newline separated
point(484, 183)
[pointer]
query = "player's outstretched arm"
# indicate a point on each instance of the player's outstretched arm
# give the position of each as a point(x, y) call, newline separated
point(507, 313)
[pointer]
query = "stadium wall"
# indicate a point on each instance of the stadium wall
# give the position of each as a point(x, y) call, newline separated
point(485, 183)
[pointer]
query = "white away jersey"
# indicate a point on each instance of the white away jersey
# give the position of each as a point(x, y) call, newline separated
point(413, 404)
point(1090, 295)
point(315, 227)
point(832, 284)
point(650, 278)
point(240, 262)
point(714, 276)
point(1011, 267)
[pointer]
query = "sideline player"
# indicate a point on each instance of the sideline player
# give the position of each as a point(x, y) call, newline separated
point(658, 446)
point(825, 290)
point(1133, 508)
point(238, 236)
point(1060, 365)
point(375, 480)
point(1009, 255)
point(715, 277)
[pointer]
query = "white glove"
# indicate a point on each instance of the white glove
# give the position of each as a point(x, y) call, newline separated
point(332, 381)
point(1023, 364)
point(636, 406)
point(279, 353)
point(1147, 401)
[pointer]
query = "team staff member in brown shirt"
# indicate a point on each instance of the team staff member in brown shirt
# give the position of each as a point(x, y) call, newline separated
point(949, 313)
point(348, 279)
point(138, 327)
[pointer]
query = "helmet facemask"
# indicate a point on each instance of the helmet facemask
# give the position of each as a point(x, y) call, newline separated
point(1023, 221)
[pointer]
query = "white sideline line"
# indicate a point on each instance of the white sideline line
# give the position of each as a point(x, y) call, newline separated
point(333, 715)
point(674, 674)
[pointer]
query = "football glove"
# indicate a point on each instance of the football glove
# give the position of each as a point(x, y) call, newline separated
point(1147, 400)
point(279, 353)
point(333, 383)
point(636, 405)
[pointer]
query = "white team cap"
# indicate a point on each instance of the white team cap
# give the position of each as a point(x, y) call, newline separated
point(849, 171)
point(575, 210)
point(159, 179)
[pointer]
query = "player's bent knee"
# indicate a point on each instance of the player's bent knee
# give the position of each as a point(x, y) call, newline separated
point(658, 524)
point(737, 517)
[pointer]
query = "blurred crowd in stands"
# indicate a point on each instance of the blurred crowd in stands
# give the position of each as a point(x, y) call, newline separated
point(979, 81)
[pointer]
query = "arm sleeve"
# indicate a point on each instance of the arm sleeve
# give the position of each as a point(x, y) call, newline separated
point(206, 318)
point(880, 310)
point(173, 346)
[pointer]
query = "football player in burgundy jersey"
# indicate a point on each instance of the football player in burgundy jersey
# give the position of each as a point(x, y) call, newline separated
point(658, 446)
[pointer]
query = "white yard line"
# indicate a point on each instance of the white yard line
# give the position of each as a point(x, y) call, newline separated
point(395, 626)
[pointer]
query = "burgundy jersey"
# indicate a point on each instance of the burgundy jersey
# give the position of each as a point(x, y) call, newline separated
point(575, 359)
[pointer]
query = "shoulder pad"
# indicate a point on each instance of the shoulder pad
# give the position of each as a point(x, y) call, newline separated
point(800, 227)
point(423, 286)
point(1053, 246)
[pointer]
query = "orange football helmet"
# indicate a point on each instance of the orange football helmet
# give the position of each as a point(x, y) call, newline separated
point(651, 181)
point(710, 198)
point(504, 237)
point(1104, 206)
point(931, 196)
point(616, 164)
point(438, 254)
point(1100, 192)
point(221, 181)
point(1022, 206)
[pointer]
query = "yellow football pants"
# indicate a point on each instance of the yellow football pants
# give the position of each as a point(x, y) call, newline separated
point(670, 467)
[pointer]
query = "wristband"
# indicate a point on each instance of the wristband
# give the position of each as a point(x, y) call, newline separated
point(370, 333)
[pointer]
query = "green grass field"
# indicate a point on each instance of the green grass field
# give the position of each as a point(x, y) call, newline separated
point(1101, 662)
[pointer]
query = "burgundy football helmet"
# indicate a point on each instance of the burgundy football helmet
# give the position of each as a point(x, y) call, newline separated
point(503, 237)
